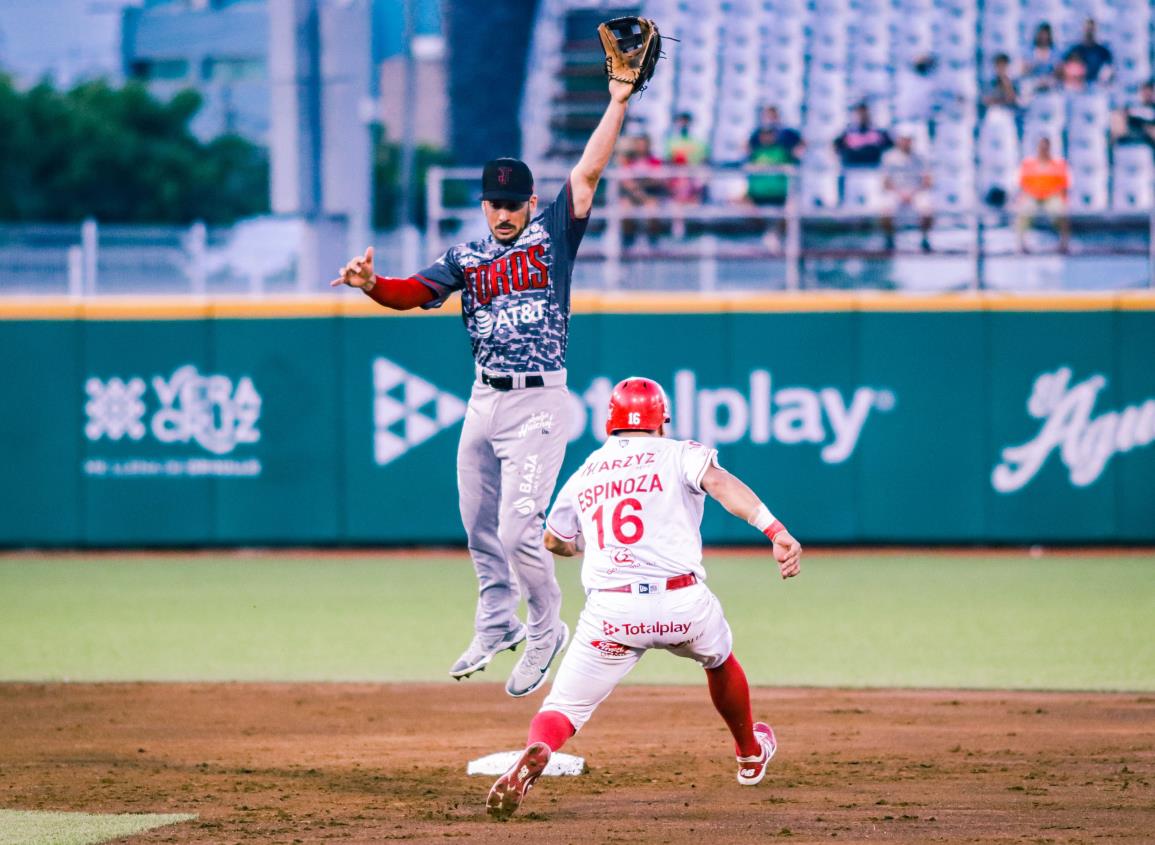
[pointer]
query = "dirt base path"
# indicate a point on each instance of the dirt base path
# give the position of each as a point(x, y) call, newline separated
point(361, 763)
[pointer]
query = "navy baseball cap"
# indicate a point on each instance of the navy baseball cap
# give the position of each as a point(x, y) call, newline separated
point(506, 179)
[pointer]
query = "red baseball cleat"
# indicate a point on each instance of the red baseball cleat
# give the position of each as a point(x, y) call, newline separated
point(751, 770)
point(506, 794)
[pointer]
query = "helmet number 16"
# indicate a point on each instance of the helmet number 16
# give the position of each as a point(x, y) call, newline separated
point(627, 528)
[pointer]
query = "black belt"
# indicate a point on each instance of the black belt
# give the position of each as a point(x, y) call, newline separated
point(506, 382)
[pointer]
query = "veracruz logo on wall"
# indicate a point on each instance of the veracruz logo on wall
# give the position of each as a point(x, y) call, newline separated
point(212, 413)
point(1085, 443)
point(408, 410)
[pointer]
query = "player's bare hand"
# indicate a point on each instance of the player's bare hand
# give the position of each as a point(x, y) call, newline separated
point(620, 91)
point(358, 272)
point(788, 553)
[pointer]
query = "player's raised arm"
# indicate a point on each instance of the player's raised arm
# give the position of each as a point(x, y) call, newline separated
point(599, 149)
point(632, 47)
point(732, 494)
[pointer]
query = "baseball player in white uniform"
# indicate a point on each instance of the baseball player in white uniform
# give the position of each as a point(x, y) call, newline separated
point(635, 507)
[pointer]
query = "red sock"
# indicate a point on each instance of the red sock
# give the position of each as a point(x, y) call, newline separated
point(550, 727)
point(730, 693)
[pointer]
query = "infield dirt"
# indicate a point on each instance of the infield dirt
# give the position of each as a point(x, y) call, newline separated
point(361, 763)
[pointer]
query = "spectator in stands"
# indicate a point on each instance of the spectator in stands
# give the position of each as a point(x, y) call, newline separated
point(640, 186)
point(771, 133)
point(1135, 122)
point(682, 146)
point(862, 144)
point(1096, 57)
point(1044, 180)
point(1002, 91)
point(906, 183)
point(1073, 74)
point(684, 149)
point(772, 144)
point(1040, 70)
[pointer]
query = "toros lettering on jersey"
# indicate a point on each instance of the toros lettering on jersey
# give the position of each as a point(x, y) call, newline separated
point(640, 459)
point(512, 273)
point(647, 483)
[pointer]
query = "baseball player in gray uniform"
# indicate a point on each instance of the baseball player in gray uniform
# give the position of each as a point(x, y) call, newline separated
point(515, 303)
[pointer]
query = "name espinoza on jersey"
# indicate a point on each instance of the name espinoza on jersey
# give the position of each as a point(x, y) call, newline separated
point(639, 504)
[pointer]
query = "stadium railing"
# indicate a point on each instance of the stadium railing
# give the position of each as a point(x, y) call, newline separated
point(724, 243)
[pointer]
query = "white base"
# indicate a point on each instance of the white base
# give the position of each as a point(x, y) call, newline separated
point(499, 762)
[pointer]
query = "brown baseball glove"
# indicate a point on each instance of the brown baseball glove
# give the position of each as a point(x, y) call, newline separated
point(632, 47)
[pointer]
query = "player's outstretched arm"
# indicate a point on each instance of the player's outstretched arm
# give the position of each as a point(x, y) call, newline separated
point(583, 179)
point(732, 494)
point(358, 272)
point(401, 294)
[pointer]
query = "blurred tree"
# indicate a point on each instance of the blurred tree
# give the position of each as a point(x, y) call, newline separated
point(120, 156)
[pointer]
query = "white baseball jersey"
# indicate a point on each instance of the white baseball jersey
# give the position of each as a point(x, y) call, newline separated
point(638, 503)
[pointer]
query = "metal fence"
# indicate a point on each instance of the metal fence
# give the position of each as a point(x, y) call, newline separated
point(719, 242)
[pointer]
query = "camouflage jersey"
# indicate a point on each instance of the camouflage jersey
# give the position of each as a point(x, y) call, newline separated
point(515, 298)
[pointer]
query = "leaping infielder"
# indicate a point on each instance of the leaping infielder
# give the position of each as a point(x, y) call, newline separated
point(515, 302)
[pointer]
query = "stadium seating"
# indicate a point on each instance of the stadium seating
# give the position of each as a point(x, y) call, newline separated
point(1133, 181)
point(815, 59)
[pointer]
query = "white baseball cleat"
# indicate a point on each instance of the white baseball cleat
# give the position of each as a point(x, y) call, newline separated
point(507, 792)
point(751, 770)
point(480, 652)
point(531, 671)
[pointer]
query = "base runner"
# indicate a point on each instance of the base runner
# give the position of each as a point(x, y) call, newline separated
point(635, 506)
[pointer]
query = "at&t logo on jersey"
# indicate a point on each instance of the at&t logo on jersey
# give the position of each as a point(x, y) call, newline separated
point(486, 322)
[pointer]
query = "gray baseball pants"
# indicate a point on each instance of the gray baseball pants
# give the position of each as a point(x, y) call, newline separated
point(511, 450)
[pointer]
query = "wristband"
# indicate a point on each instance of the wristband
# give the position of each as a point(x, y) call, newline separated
point(762, 518)
point(369, 284)
point(773, 530)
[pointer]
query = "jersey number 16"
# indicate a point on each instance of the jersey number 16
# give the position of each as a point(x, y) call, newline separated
point(627, 528)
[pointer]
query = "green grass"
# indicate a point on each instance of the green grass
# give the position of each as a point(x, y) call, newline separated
point(910, 620)
point(18, 827)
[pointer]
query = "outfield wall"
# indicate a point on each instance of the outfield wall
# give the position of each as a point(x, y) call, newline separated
point(859, 418)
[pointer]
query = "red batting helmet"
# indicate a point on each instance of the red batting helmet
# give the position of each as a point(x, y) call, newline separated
point(637, 404)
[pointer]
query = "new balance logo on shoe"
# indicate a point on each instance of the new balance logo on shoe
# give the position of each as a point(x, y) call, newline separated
point(506, 795)
point(751, 770)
